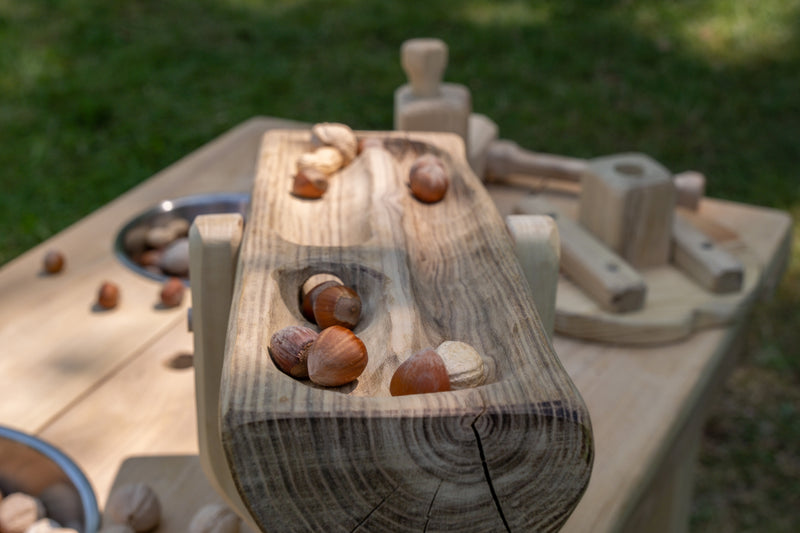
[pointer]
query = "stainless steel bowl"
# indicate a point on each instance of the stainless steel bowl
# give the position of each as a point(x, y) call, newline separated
point(187, 207)
point(32, 466)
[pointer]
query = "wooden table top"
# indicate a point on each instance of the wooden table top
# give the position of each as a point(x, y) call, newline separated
point(107, 387)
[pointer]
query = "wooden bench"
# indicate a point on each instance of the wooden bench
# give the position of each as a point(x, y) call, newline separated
point(109, 390)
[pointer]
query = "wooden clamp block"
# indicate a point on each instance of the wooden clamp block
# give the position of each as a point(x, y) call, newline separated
point(607, 278)
point(536, 243)
point(426, 104)
point(695, 253)
point(627, 201)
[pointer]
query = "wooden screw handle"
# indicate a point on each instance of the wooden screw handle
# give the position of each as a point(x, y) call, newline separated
point(424, 61)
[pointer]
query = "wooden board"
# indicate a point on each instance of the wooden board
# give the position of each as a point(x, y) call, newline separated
point(675, 305)
point(514, 453)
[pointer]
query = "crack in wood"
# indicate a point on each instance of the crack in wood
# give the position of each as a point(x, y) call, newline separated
point(430, 506)
point(486, 473)
point(364, 520)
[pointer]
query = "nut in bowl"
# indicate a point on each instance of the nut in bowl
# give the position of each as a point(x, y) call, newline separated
point(35, 468)
point(153, 243)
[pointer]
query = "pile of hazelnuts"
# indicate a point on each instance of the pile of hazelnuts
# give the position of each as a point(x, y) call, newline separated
point(332, 357)
point(336, 145)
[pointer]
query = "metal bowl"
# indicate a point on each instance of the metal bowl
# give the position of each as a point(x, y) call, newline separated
point(128, 242)
point(32, 466)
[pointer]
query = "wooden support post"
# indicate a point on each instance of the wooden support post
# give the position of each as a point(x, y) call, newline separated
point(214, 242)
point(536, 243)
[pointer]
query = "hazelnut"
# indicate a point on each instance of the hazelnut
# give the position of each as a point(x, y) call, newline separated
point(337, 305)
point(289, 349)
point(428, 179)
point(150, 257)
point(53, 262)
point(325, 159)
point(175, 259)
point(136, 505)
point(464, 364)
point(108, 295)
point(309, 183)
point(43, 525)
point(214, 518)
point(308, 297)
point(422, 372)
point(339, 136)
point(159, 237)
point(172, 292)
point(336, 357)
point(18, 511)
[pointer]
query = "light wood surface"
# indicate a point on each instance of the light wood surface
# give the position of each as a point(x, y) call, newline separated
point(647, 404)
point(426, 273)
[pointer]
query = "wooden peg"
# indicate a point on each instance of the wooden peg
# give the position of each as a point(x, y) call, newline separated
point(603, 275)
point(425, 103)
point(691, 187)
point(505, 158)
point(424, 62)
point(700, 258)
point(538, 249)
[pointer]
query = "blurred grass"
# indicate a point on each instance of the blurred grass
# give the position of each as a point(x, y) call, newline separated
point(97, 96)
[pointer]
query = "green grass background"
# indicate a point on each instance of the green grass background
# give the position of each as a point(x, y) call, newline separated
point(96, 96)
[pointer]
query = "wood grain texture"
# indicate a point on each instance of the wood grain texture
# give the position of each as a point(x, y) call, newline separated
point(512, 454)
point(676, 305)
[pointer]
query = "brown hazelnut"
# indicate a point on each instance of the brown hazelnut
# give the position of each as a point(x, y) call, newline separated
point(214, 518)
point(309, 183)
point(53, 262)
point(422, 372)
point(336, 357)
point(337, 306)
point(108, 295)
point(428, 179)
point(172, 292)
point(308, 297)
point(18, 511)
point(136, 505)
point(289, 349)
